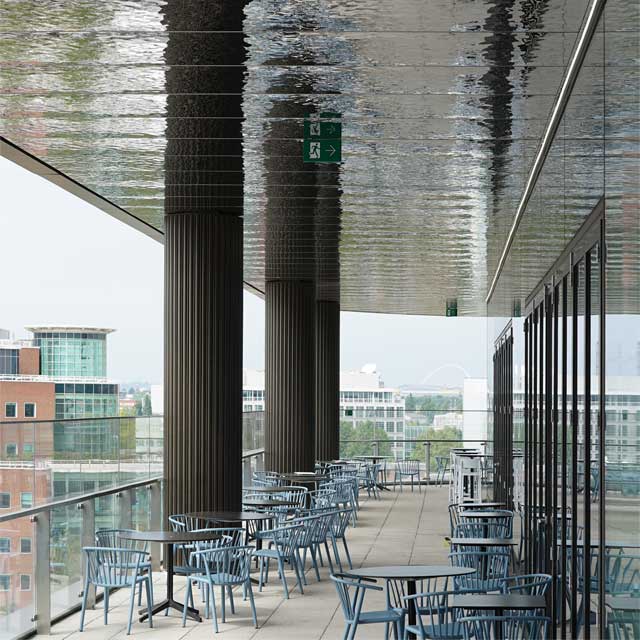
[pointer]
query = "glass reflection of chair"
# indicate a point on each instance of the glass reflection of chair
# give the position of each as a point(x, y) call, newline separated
point(623, 623)
point(512, 627)
point(621, 574)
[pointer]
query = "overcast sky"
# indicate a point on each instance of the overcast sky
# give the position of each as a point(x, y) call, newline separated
point(65, 262)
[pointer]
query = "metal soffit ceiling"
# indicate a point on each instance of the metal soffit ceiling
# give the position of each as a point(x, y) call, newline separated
point(443, 105)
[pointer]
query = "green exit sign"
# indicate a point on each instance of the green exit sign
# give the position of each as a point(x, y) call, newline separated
point(322, 137)
point(322, 151)
point(452, 308)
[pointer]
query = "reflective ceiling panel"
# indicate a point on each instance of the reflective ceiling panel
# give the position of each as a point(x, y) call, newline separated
point(442, 105)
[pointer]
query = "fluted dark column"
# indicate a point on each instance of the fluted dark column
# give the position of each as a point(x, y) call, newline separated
point(327, 380)
point(203, 362)
point(290, 375)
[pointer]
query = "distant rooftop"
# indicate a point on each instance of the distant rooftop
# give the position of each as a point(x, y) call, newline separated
point(68, 329)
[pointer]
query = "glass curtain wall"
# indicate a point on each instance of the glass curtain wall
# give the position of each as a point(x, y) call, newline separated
point(580, 344)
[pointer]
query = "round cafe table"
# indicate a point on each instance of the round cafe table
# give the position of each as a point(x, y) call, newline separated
point(270, 489)
point(169, 538)
point(410, 574)
point(268, 503)
point(498, 603)
point(482, 505)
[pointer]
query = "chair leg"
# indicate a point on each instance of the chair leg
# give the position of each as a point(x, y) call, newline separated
point(85, 593)
point(252, 603)
point(231, 602)
point(283, 578)
point(106, 604)
point(214, 614)
point(346, 548)
point(336, 554)
point(261, 572)
point(314, 562)
point(186, 603)
point(224, 613)
point(326, 546)
point(132, 602)
point(299, 572)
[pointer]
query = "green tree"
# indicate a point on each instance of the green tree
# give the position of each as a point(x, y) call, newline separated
point(361, 437)
point(451, 437)
point(146, 405)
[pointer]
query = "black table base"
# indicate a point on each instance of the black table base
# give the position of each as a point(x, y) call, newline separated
point(192, 613)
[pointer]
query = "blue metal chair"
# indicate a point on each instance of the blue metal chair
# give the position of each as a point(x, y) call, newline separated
point(491, 568)
point(621, 574)
point(512, 627)
point(324, 497)
point(533, 584)
point(442, 622)
point(407, 469)
point(280, 544)
point(116, 568)
point(442, 466)
point(351, 592)
point(113, 538)
point(339, 527)
point(226, 567)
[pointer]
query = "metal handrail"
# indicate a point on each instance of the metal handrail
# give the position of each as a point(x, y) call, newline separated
point(65, 502)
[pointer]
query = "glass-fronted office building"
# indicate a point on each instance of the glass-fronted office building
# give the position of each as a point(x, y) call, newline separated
point(72, 351)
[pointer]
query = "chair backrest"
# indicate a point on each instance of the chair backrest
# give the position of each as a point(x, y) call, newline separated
point(408, 466)
point(228, 565)
point(505, 518)
point(491, 567)
point(621, 570)
point(230, 537)
point(532, 584)
point(341, 522)
point(351, 592)
point(113, 538)
point(113, 566)
point(295, 494)
point(434, 606)
point(525, 627)
point(454, 518)
point(287, 538)
point(325, 497)
point(185, 522)
point(473, 529)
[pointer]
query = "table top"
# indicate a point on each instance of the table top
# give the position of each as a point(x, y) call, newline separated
point(270, 489)
point(255, 502)
point(482, 514)
point(623, 603)
point(498, 601)
point(410, 572)
point(484, 542)
point(230, 516)
point(170, 537)
point(302, 478)
point(481, 505)
point(371, 457)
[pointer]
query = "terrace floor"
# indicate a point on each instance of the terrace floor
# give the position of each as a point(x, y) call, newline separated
point(400, 528)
